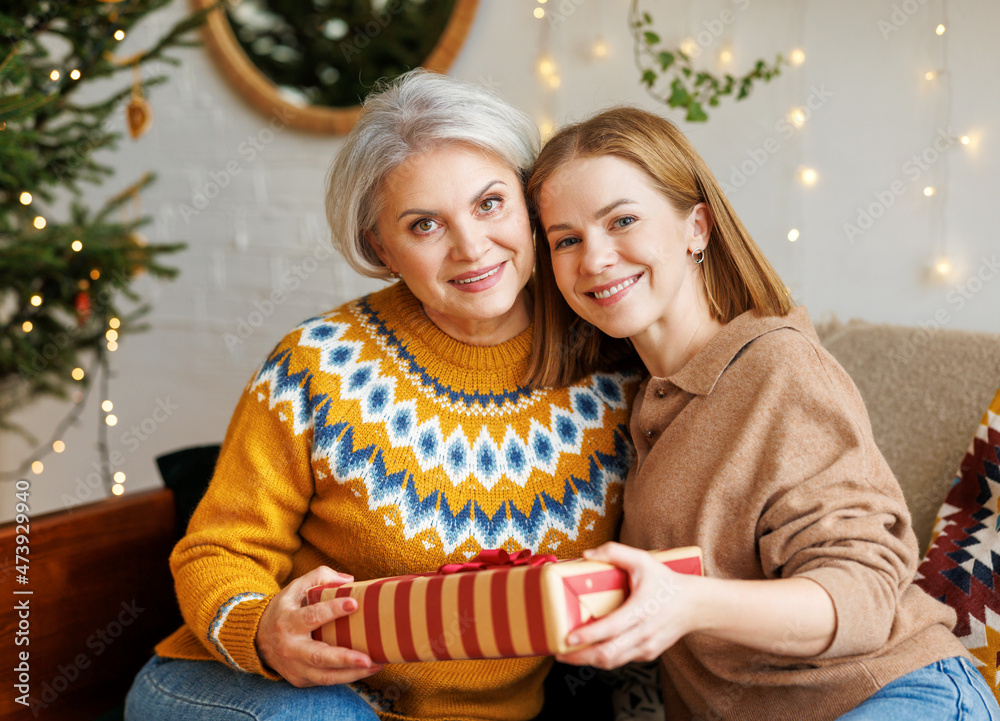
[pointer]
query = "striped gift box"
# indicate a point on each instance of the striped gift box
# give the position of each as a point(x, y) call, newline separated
point(500, 611)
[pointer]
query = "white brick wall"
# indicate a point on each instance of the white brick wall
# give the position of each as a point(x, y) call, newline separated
point(269, 216)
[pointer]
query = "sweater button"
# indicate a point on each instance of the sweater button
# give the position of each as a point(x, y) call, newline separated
point(661, 392)
point(648, 434)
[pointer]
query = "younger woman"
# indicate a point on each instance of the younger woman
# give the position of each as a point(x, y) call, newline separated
point(752, 443)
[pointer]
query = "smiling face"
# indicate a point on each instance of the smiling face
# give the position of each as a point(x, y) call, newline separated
point(621, 254)
point(455, 227)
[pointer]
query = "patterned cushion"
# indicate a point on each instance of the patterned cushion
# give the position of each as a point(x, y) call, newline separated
point(962, 566)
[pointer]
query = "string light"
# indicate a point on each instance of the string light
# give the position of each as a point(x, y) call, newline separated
point(111, 335)
point(793, 234)
point(26, 326)
point(929, 191)
point(37, 467)
point(83, 284)
point(797, 56)
point(76, 245)
point(25, 198)
point(107, 406)
point(75, 74)
point(930, 75)
point(95, 274)
point(797, 117)
point(939, 29)
point(119, 477)
point(59, 446)
point(112, 346)
point(546, 66)
point(601, 49)
point(689, 47)
point(539, 13)
point(39, 222)
point(942, 266)
point(965, 140)
point(111, 419)
point(726, 56)
point(119, 34)
point(118, 489)
point(114, 322)
point(36, 300)
point(77, 374)
point(808, 176)
point(546, 129)
point(554, 81)
point(54, 75)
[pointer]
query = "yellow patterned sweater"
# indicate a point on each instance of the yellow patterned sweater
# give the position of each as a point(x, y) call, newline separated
point(371, 442)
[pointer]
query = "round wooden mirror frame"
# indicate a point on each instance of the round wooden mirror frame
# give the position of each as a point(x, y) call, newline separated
point(263, 94)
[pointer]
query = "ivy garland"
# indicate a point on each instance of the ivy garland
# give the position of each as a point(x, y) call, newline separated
point(669, 76)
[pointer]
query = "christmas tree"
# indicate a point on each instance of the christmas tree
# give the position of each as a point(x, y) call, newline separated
point(65, 266)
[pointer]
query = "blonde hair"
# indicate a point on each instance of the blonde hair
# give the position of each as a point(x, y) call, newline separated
point(737, 276)
point(413, 113)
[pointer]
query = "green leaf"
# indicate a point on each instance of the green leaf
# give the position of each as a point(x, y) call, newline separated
point(647, 18)
point(649, 78)
point(666, 59)
point(679, 96)
point(696, 114)
point(651, 37)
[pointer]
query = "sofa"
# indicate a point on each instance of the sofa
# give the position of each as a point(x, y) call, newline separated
point(95, 567)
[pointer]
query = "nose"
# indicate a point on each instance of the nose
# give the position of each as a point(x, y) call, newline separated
point(468, 240)
point(598, 254)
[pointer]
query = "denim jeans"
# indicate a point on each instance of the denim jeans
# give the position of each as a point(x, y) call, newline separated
point(168, 689)
point(949, 689)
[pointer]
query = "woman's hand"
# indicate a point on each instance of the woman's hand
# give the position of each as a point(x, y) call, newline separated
point(659, 610)
point(785, 616)
point(284, 636)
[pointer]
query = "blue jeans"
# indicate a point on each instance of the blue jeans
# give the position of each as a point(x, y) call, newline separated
point(168, 689)
point(949, 689)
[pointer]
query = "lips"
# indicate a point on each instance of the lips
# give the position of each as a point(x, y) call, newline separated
point(481, 279)
point(614, 288)
point(477, 275)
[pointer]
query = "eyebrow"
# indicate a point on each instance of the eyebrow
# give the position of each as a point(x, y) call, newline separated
point(601, 212)
point(473, 199)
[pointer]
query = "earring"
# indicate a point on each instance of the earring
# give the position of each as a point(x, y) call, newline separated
point(395, 275)
point(698, 256)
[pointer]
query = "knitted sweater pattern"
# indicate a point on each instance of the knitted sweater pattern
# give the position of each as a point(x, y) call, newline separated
point(372, 442)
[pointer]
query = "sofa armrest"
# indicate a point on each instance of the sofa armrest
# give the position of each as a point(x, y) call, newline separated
point(102, 597)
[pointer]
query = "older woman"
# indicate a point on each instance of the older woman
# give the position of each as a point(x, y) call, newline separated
point(392, 435)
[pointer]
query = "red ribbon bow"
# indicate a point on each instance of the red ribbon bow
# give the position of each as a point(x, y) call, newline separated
point(496, 558)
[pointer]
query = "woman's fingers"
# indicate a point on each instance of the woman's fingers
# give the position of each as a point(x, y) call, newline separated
point(295, 592)
point(325, 657)
point(308, 618)
point(284, 634)
point(646, 624)
point(627, 558)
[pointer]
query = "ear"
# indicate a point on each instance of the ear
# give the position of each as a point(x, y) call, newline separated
point(699, 222)
point(379, 249)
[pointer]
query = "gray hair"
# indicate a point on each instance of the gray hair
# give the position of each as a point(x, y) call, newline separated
point(413, 113)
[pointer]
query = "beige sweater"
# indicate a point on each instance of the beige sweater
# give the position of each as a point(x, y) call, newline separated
point(759, 450)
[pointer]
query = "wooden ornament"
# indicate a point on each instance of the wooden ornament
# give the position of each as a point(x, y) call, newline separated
point(139, 114)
